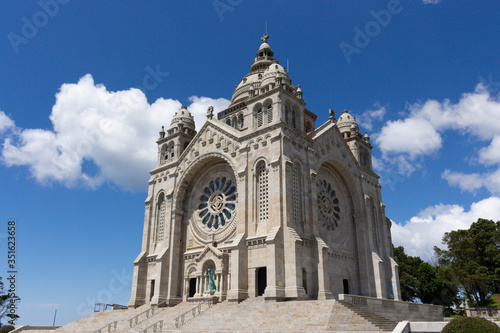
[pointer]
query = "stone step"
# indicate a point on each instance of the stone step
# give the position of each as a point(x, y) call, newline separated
point(383, 323)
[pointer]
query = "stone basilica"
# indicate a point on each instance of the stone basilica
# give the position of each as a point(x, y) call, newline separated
point(272, 204)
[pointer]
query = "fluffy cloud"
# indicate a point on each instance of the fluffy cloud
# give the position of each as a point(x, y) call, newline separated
point(433, 2)
point(404, 142)
point(474, 181)
point(421, 233)
point(491, 154)
point(5, 122)
point(98, 136)
point(366, 119)
point(412, 136)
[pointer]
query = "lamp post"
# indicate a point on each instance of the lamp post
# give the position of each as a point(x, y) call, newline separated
point(54, 322)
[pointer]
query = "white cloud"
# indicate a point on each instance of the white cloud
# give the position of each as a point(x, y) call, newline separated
point(474, 181)
point(411, 136)
point(491, 154)
point(113, 131)
point(476, 113)
point(433, 2)
point(366, 119)
point(405, 142)
point(419, 235)
point(5, 122)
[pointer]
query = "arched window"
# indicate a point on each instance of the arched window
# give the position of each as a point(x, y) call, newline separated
point(308, 127)
point(263, 191)
point(161, 210)
point(287, 114)
point(260, 117)
point(169, 151)
point(241, 120)
point(270, 113)
point(228, 121)
point(235, 123)
point(164, 154)
point(293, 118)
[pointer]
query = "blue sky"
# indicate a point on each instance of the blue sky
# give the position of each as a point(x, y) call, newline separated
point(86, 86)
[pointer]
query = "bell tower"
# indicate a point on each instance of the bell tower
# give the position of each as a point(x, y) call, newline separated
point(179, 135)
point(360, 145)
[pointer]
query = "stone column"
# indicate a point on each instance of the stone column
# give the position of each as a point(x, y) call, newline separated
point(323, 274)
point(139, 282)
point(275, 289)
point(239, 285)
point(291, 239)
point(174, 255)
point(239, 261)
point(198, 282)
point(139, 278)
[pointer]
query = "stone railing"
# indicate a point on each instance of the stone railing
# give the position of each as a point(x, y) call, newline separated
point(156, 327)
point(483, 312)
point(195, 311)
point(111, 327)
point(148, 313)
point(396, 310)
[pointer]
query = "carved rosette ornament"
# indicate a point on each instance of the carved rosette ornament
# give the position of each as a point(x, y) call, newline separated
point(213, 205)
point(332, 207)
point(217, 203)
point(328, 205)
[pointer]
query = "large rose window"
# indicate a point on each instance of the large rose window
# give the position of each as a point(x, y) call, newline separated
point(212, 205)
point(328, 205)
point(217, 203)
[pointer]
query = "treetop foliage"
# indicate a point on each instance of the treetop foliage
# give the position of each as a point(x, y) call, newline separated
point(472, 259)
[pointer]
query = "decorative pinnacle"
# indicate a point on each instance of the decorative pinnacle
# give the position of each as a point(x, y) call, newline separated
point(332, 115)
point(210, 112)
point(264, 38)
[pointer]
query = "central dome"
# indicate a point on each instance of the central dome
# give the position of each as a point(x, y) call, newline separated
point(264, 71)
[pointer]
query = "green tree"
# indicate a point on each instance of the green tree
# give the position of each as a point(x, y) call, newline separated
point(472, 259)
point(419, 281)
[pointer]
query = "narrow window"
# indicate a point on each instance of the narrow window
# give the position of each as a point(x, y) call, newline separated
point(375, 227)
point(296, 193)
point(293, 118)
point(235, 123)
point(269, 113)
point(260, 117)
point(241, 121)
point(287, 114)
point(263, 192)
point(162, 207)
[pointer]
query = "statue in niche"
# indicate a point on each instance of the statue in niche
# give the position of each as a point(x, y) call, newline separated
point(211, 281)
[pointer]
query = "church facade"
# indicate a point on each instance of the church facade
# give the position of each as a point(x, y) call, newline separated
point(270, 203)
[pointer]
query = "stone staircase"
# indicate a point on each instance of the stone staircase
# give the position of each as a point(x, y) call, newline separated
point(383, 323)
point(257, 315)
point(100, 319)
point(252, 315)
point(166, 314)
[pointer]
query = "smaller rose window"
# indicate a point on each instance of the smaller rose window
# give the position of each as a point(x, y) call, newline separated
point(328, 206)
point(217, 203)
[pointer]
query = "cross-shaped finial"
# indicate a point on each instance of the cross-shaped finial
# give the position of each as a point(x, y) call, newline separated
point(264, 38)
